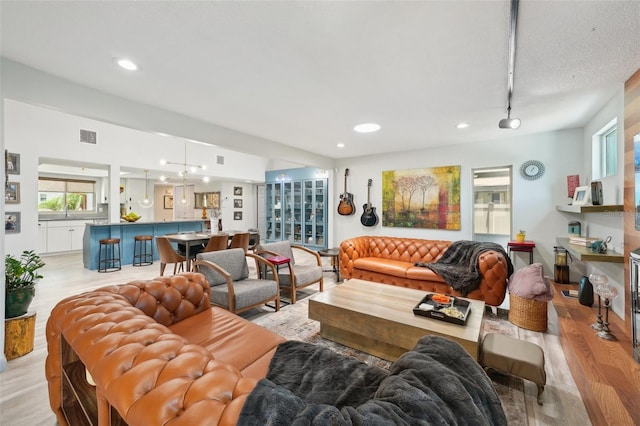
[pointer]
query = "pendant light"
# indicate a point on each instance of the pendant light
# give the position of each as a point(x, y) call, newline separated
point(184, 201)
point(147, 201)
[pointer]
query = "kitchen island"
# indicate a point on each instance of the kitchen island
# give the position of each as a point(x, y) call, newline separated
point(126, 231)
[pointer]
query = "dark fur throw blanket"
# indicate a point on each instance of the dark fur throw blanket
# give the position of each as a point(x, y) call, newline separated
point(436, 383)
point(458, 266)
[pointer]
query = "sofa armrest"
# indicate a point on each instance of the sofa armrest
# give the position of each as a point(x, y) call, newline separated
point(350, 250)
point(494, 271)
point(264, 262)
point(148, 374)
point(308, 251)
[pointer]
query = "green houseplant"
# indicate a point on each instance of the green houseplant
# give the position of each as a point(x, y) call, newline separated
point(21, 275)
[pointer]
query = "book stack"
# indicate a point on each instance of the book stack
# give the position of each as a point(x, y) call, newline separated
point(582, 241)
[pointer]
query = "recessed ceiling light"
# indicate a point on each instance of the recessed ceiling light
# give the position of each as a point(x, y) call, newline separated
point(127, 64)
point(462, 125)
point(340, 145)
point(367, 127)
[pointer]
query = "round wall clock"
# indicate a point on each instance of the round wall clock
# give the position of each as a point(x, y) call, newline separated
point(532, 169)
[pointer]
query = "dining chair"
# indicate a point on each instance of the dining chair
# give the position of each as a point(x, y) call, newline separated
point(254, 238)
point(240, 240)
point(233, 287)
point(296, 275)
point(217, 242)
point(169, 255)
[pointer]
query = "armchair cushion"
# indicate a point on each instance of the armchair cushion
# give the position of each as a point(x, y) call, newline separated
point(248, 292)
point(303, 273)
point(232, 260)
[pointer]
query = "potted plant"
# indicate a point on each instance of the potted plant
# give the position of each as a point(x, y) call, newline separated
point(21, 275)
point(520, 236)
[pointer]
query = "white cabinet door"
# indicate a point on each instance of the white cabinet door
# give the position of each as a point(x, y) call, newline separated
point(65, 235)
point(77, 234)
point(58, 239)
point(42, 237)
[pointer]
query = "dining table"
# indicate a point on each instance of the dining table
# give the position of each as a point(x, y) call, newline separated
point(190, 239)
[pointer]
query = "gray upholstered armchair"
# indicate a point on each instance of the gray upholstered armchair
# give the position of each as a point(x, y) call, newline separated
point(293, 276)
point(231, 286)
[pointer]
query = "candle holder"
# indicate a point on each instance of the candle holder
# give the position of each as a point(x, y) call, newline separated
point(607, 293)
point(597, 280)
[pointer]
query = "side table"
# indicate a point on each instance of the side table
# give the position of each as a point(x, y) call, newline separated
point(335, 261)
point(277, 261)
point(525, 246)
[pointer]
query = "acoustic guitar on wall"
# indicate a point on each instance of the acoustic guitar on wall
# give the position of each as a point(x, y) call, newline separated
point(369, 216)
point(346, 206)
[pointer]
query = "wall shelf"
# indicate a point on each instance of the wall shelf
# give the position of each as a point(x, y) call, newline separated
point(585, 254)
point(590, 209)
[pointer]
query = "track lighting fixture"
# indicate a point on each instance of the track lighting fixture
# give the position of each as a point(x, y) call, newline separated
point(511, 123)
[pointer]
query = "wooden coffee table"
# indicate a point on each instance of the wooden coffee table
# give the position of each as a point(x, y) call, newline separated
point(378, 319)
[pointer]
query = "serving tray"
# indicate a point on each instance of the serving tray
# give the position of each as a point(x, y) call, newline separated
point(462, 305)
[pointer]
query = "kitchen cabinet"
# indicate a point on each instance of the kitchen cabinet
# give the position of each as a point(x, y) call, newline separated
point(296, 208)
point(64, 235)
point(42, 238)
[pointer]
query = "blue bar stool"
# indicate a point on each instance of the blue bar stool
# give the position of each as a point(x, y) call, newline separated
point(111, 261)
point(142, 250)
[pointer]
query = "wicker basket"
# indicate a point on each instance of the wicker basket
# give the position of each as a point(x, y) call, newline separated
point(528, 313)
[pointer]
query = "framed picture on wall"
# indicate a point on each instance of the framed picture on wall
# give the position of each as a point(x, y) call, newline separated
point(237, 203)
point(237, 190)
point(237, 215)
point(12, 193)
point(11, 163)
point(168, 201)
point(11, 222)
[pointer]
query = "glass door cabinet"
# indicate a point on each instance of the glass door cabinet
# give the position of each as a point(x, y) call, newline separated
point(296, 207)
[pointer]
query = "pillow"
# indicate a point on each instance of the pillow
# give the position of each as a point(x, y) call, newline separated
point(530, 283)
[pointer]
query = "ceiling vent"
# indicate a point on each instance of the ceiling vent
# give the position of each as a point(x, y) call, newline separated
point(220, 160)
point(88, 136)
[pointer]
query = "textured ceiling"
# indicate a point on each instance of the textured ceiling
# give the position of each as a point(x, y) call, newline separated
point(303, 73)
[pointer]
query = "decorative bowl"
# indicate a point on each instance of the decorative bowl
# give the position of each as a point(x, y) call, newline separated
point(130, 219)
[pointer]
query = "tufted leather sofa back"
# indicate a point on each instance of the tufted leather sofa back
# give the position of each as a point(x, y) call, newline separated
point(395, 248)
point(167, 300)
point(120, 334)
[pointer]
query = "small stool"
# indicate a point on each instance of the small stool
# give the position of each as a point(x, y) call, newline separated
point(108, 264)
point(514, 356)
point(142, 255)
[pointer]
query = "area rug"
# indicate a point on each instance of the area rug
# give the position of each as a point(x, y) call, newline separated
point(292, 323)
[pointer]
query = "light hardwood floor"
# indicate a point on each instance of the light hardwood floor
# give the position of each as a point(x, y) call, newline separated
point(23, 389)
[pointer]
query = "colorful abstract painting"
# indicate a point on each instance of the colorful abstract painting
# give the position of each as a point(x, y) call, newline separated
point(422, 198)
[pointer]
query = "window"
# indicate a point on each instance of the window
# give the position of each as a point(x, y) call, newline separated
point(66, 196)
point(605, 151)
point(492, 206)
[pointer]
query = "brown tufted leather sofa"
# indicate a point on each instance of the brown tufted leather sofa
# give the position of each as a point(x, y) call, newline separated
point(390, 260)
point(158, 353)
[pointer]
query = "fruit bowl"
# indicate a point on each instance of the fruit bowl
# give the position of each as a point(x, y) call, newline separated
point(131, 219)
